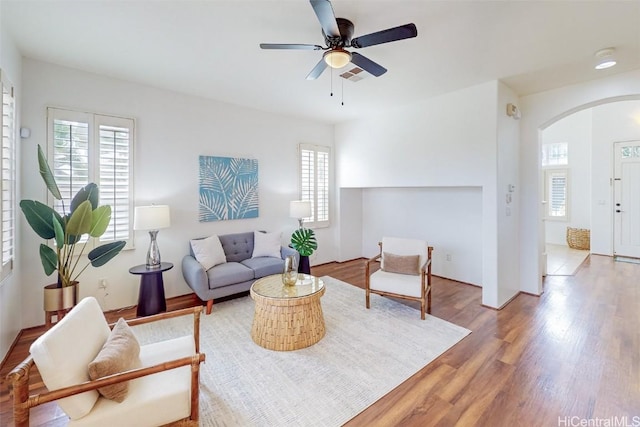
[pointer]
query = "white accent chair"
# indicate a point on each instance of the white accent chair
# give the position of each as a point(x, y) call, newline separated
point(164, 389)
point(414, 285)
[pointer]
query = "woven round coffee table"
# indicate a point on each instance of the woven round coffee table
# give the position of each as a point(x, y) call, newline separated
point(287, 317)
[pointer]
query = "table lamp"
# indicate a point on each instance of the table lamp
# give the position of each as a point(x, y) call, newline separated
point(300, 209)
point(152, 218)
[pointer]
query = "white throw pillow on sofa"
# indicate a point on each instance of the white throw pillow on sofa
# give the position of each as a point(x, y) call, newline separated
point(266, 244)
point(208, 252)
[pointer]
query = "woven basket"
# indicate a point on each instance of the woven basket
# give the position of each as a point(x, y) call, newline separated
point(579, 238)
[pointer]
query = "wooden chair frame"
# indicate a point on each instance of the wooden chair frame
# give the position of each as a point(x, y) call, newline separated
point(425, 278)
point(18, 378)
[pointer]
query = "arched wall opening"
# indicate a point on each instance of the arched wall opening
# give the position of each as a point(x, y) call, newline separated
point(539, 111)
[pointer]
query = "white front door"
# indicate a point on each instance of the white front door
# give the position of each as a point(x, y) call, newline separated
point(626, 240)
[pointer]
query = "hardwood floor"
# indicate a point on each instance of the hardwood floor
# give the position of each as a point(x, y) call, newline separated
point(572, 354)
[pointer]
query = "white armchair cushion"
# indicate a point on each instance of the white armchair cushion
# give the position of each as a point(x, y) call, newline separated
point(266, 244)
point(402, 284)
point(153, 400)
point(208, 252)
point(63, 353)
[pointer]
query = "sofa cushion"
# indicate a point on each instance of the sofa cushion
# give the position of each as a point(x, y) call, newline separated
point(119, 354)
point(266, 244)
point(228, 274)
point(237, 246)
point(264, 266)
point(63, 353)
point(208, 252)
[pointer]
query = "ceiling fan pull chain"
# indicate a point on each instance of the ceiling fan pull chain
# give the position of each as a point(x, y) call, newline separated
point(342, 90)
point(331, 72)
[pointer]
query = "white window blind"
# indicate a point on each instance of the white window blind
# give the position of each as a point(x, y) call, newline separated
point(95, 148)
point(557, 186)
point(8, 135)
point(314, 182)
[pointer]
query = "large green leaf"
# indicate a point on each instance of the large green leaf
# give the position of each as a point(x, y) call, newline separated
point(49, 259)
point(103, 254)
point(89, 192)
point(47, 176)
point(80, 220)
point(39, 216)
point(304, 241)
point(59, 232)
point(100, 219)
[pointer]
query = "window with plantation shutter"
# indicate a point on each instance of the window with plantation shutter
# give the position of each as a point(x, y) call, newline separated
point(556, 191)
point(8, 182)
point(314, 182)
point(86, 147)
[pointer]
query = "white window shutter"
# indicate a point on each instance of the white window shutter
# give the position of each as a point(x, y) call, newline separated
point(314, 182)
point(8, 182)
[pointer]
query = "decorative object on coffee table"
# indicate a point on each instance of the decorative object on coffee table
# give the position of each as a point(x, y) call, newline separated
point(303, 239)
point(152, 218)
point(290, 273)
point(287, 317)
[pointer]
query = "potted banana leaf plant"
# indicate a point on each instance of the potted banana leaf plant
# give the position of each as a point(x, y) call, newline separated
point(304, 241)
point(84, 217)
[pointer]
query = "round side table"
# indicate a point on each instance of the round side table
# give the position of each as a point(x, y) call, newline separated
point(151, 298)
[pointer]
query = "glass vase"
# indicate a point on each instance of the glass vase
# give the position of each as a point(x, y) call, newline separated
point(290, 273)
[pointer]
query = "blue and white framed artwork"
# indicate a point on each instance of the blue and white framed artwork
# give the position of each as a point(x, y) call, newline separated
point(228, 188)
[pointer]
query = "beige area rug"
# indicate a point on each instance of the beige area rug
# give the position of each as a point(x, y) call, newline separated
point(363, 356)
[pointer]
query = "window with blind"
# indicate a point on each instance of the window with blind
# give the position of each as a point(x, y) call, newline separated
point(556, 192)
point(8, 182)
point(86, 147)
point(314, 182)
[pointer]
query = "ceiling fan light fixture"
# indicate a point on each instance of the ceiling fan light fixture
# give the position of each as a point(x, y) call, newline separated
point(605, 58)
point(337, 58)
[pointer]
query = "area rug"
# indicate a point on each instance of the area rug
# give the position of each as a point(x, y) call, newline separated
point(364, 355)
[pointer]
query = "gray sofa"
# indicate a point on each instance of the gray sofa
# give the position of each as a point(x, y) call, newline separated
point(237, 274)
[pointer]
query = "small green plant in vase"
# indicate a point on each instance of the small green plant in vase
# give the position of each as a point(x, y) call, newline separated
point(85, 217)
point(304, 241)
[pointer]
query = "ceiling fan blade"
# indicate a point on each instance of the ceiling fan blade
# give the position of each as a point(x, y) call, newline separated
point(367, 64)
point(385, 36)
point(324, 12)
point(317, 70)
point(290, 46)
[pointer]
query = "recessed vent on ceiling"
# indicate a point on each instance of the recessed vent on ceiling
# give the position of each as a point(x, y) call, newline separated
point(355, 74)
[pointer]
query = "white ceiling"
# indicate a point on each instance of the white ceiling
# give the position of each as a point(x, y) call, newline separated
point(210, 48)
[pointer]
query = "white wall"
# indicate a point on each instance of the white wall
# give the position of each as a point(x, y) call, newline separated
point(576, 131)
point(10, 288)
point(172, 131)
point(448, 218)
point(447, 141)
point(507, 201)
point(538, 112)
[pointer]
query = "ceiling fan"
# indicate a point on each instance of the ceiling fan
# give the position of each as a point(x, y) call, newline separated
point(338, 33)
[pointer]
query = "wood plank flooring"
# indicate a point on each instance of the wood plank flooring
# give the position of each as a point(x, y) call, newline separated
point(572, 354)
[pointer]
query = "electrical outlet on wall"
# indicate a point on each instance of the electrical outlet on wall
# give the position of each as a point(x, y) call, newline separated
point(448, 257)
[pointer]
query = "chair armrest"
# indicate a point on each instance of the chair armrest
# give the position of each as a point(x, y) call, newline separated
point(196, 311)
point(51, 396)
point(195, 275)
point(424, 267)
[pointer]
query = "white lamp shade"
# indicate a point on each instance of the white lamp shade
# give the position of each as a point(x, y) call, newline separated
point(152, 217)
point(300, 209)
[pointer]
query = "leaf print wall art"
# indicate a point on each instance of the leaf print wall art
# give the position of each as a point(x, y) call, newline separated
point(228, 188)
